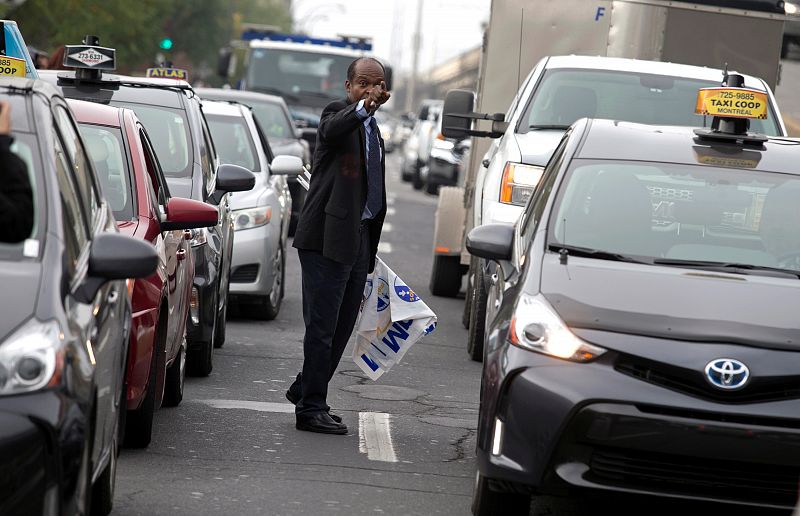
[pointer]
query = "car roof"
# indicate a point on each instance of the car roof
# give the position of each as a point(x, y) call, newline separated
point(626, 141)
point(214, 107)
point(94, 113)
point(620, 64)
point(143, 90)
point(238, 95)
point(29, 85)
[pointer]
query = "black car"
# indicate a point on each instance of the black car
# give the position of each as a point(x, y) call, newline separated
point(272, 115)
point(642, 333)
point(171, 113)
point(64, 323)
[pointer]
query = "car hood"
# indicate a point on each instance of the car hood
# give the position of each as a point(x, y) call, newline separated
point(538, 145)
point(23, 280)
point(286, 146)
point(180, 187)
point(674, 303)
point(250, 198)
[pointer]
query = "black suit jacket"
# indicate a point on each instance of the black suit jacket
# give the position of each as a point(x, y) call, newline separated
point(331, 215)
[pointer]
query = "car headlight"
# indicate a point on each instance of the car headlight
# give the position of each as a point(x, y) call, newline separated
point(519, 182)
point(199, 237)
point(791, 8)
point(251, 217)
point(536, 327)
point(31, 358)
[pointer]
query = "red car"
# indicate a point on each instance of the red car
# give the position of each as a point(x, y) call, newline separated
point(134, 185)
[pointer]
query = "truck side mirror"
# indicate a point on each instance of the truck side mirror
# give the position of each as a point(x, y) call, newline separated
point(458, 104)
point(388, 75)
point(224, 62)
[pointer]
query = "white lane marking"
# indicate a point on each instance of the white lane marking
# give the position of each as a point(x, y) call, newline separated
point(260, 406)
point(385, 247)
point(389, 212)
point(387, 227)
point(375, 436)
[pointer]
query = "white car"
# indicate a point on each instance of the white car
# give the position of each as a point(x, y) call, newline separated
point(559, 91)
point(260, 216)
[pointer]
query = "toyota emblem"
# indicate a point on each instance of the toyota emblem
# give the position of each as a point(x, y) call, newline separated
point(727, 373)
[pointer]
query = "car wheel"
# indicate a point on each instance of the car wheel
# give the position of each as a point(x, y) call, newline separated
point(416, 180)
point(221, 324)
point(83, 484)
point(468, 298)
point(477, 319)
point(139, 422)
point(446, 276)
point(431, 188)
point(267, 307)
point(486, 502)
point(199, 361)
point(176, 376)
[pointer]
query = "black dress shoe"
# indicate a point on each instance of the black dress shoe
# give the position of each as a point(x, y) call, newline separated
point(321, 423)
point(294, 400)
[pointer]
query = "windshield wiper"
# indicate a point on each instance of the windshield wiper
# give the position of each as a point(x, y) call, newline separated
point(588, 252)
point(549, 126)
point(275, 91)
point(730, 267)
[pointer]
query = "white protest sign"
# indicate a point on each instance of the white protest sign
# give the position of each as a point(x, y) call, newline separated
point(391, 320)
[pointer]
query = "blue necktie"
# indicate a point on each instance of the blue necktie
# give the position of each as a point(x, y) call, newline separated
point(374, 175)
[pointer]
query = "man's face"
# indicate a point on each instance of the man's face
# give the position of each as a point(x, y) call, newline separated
point(368, 74)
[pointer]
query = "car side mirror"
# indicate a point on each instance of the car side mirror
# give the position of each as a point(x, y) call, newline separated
point(113, 256)
point(492, 242)
point(233, 178)
point(286, 165)
point(189, 214)
point(388, 76)
point(458, 104)
point(224, 62)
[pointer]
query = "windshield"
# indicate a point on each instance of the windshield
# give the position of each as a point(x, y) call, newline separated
point(169, 132)
point(272, 119)
point(233, 142)
point(565, 96)
point(16, 242)
point(298, 73)
point(104, 145)
point(680, 212)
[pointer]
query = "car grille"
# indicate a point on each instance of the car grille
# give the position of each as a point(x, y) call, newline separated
point(729, 480)
point(245, 274)
point(693, 382)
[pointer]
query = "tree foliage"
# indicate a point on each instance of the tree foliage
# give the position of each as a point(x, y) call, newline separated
point(198, 28)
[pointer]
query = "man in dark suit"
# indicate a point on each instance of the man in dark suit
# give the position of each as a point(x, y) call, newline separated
point(337, 236)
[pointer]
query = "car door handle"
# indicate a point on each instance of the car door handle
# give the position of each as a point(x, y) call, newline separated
point(181, 254)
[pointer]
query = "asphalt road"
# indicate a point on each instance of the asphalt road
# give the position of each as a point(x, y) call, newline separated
point(231, 446)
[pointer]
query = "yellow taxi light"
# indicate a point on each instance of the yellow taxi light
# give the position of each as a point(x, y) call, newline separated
point(732, 103)
point(518, 182)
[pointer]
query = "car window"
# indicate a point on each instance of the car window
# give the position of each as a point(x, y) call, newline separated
point(566, 95)
point(25, 209)
point(76, 155)
point(73, 222)
point(684, 212)
point(538, 201)
point(273, 120)
point(154, 171)
point(234, 141)
point(107, 152)
point(207, 161)
point(169, 131)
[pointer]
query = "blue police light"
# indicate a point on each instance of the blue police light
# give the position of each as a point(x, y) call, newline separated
point(166, 44)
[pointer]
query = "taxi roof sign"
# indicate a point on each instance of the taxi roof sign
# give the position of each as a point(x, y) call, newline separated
point(732, 103)
point(17, 59)
point(168, 73)
point(90, 57)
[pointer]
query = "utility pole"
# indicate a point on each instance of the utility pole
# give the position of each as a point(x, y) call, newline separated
point(412, 83)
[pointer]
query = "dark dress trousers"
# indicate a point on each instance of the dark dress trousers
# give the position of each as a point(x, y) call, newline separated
point(337, 249)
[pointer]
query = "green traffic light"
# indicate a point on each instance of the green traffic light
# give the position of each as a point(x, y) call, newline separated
point(166, 44)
